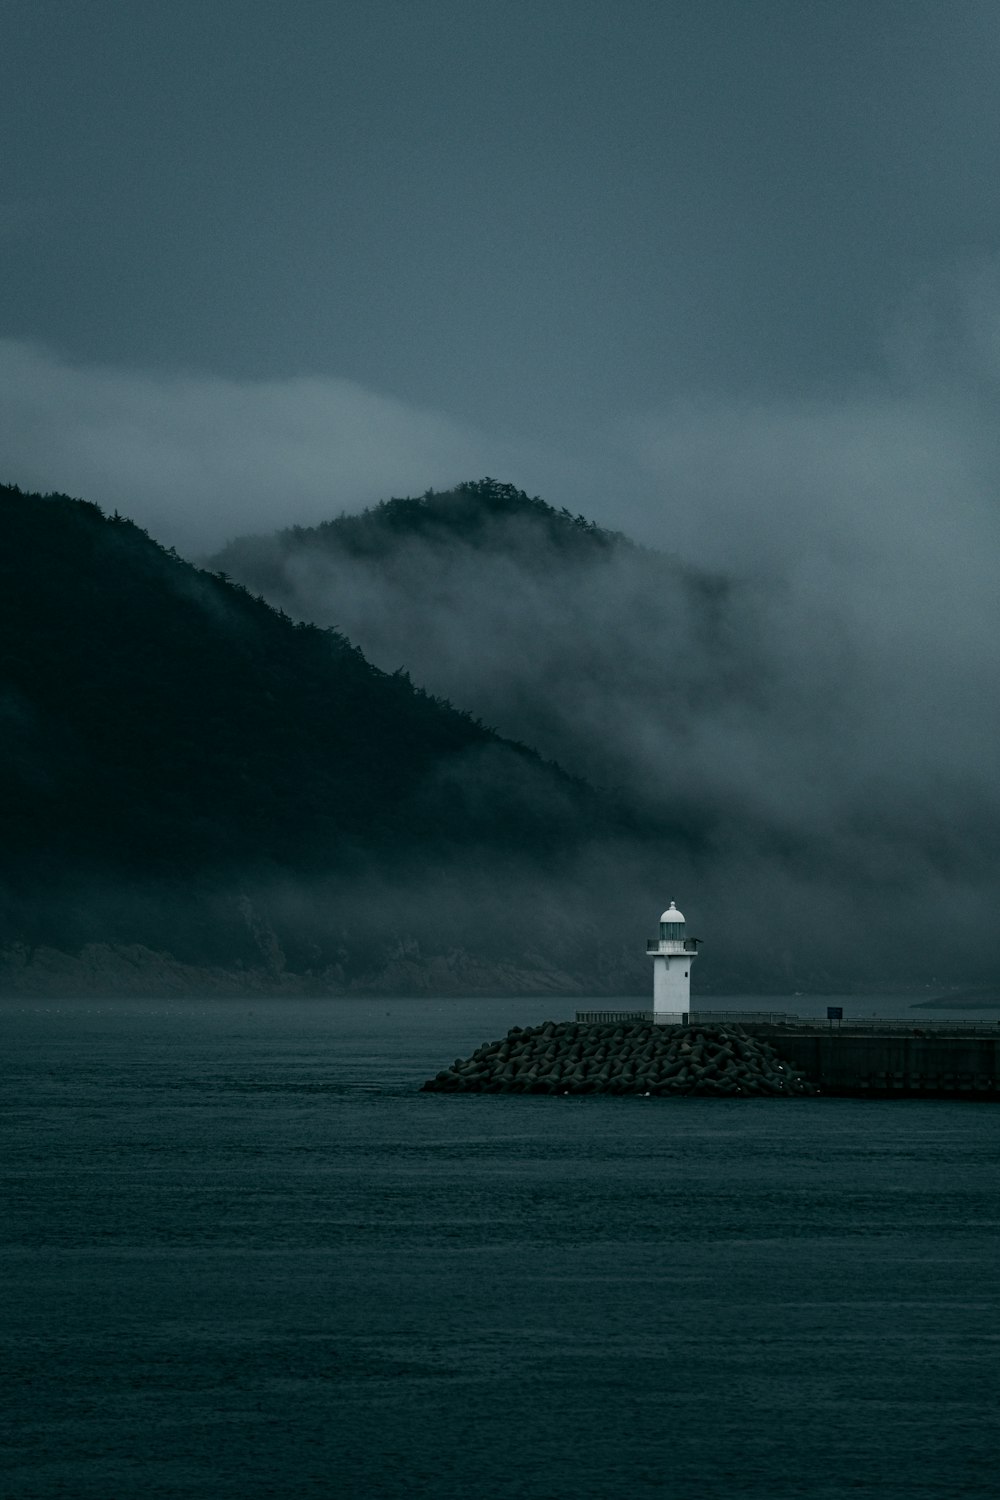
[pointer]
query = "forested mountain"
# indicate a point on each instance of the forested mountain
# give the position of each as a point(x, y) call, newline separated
point(198, 789)
point(837, 780)
point(607, 656)
point(183, 766)
point(170, 718)
point(483, 515)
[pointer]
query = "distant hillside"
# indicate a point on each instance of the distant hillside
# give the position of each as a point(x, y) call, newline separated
point(185, 768)
point(162, 713)
point(559, 632)
point(483, 514)
point(754, 713)
point(198, 792)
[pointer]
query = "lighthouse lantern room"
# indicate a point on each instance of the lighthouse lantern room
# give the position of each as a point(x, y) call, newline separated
point(673, 953)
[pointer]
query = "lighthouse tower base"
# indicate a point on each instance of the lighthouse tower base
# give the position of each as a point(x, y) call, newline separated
point(671, 988)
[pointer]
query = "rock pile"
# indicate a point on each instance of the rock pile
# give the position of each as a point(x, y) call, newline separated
point(630, 1058)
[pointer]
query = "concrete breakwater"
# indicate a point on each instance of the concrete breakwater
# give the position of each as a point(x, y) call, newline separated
point(893, 1064)
point(628, 1058)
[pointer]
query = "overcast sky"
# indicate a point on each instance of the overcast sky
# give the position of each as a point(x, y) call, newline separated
point(683, 265)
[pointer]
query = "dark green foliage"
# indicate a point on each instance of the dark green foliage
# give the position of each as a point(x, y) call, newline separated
point(468, 513)
point(160, 723)
point(478, 513)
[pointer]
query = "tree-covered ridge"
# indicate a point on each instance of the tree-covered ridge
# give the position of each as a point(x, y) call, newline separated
point(479, 515)
point(543, 623)
point(163, 720)
point(471, 513)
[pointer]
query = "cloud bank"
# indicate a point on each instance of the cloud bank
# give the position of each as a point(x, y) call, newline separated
point(197, 458)
point(833, 716)
point(845, 702)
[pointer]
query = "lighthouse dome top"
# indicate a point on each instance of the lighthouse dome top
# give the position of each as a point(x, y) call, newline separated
point(672, 914)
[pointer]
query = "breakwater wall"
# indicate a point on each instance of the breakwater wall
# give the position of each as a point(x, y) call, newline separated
point(627, 1057)
point(631, 1056)
point(893, 1064)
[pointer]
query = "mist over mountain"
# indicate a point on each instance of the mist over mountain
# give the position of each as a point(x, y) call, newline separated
point(197, 790)
point(839, 776)
point(567, 635)
point(184, 768)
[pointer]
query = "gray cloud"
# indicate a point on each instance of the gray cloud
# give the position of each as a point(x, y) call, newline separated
point(834, 712)
point(831, 709)
point(873, 521)
point(196, 458)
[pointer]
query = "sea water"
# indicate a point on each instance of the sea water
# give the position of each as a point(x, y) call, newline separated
point(244, 1256)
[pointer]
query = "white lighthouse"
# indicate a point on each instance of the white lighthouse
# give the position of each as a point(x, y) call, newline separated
point(673, 953)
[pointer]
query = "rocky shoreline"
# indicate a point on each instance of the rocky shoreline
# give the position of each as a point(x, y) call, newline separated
point(628, 1058)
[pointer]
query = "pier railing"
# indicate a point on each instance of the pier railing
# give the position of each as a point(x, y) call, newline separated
point(730, 1017)
point(786, 1018)
point(899, 1023)
point(679, 1018)
point(608, 1017)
